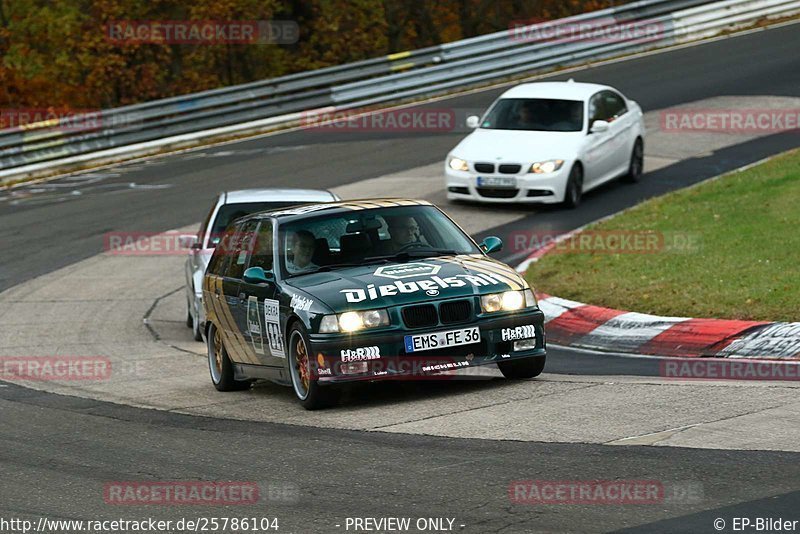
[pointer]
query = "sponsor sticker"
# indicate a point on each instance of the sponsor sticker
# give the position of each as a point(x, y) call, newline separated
point(526, 331)
point(430, 286)
point(300, 303)
point(254, 325)
point(361, 354)
point(407, 270)
point(272, 320)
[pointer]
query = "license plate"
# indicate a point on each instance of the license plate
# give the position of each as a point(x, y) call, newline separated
point(497, 181)
point(438, 340)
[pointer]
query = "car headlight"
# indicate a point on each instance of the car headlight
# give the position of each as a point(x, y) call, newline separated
point(546, 167)
point(352, 321)
point(508, 301)
point(458, 164)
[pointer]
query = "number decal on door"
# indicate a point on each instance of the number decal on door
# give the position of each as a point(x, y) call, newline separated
point(274, 337)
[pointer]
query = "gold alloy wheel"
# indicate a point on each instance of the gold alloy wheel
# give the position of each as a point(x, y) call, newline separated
point(301, 362)
point(218, 351)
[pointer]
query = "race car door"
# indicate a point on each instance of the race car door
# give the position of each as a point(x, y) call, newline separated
point(232, 301)
point(263, 325)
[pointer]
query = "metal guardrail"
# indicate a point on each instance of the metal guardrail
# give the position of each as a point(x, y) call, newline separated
point(278, 101)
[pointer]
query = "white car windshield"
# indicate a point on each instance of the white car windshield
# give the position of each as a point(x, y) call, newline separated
point(537, 114)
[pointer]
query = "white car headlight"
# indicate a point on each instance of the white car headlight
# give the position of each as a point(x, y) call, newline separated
point(546, 167)
point(352, 321)
point(458, 164)
point(508, 301)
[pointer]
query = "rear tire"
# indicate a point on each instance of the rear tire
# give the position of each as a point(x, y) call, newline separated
point(574, 192)
point(219, 364)
point(524, 368)
point(636, 165)
point(304, 384)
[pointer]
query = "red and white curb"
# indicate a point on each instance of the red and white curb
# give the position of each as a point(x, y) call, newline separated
point(575, 324)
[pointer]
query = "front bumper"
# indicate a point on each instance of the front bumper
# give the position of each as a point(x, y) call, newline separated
point(385, 355)
point(531, 188)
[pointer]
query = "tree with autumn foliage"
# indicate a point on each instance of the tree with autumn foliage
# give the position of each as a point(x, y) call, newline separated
point(58, 53)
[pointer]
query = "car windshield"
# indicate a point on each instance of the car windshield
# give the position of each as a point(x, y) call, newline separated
point(230, 212)
point(376, 235)
point(536, 114)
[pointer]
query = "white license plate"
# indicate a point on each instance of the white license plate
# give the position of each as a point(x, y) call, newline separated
point(497, 181)
point(438, 340)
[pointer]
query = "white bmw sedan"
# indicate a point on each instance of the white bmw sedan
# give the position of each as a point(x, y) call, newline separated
point(226, 208)
point(548, 142)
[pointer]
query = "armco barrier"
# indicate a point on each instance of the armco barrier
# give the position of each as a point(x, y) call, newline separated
point(267, 104)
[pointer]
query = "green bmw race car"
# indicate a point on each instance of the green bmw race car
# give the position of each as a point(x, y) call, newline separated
point(323, 294)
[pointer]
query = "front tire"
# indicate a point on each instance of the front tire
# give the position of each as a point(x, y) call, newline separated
point(189, 319)
point(196, 332)
point(574, 192)
point(304, 384)
point(636, 165)
point(219, 364)
point(523, 368)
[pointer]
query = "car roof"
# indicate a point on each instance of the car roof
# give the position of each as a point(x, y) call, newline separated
point(299, 212)
point(558, 90)
point(301, 196)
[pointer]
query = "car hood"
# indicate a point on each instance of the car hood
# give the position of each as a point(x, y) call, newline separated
point(518, 146)
point(385, 285)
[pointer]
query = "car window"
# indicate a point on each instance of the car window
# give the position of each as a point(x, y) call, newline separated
point(230, 212)
point(201, 234)
point(614, 105)
point(536, 114)
point(240, 249)
point(262, 255)
point(606, 106)
point(368, 235)
point(220, 259)
point(597, 109)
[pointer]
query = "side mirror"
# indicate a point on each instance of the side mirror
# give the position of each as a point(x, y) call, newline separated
point(599, 127)
point(257, 275)
point(491, 244)
point(187, 241)
point(473, 121)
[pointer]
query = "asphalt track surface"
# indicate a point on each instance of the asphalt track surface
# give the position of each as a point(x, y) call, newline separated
point(57, 452)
